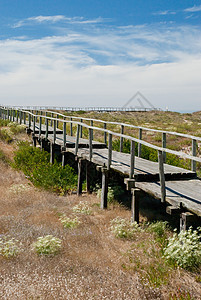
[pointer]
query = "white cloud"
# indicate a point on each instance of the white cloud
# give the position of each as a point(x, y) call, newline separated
point(164, 13)
point(55, 19)
point(104, 67)
point(193, 9)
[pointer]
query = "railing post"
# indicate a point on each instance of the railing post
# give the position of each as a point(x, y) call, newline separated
point(54, 132)
point(77, 139)
point(132, 161)
point(81, 121)
point(122, 139)
point(109, 151)
point(34, 124)
point(17, 117)
point(52, 115)
point(46, 131)
point(57, 121)
point(90, 144)
point(164, 145)
point(71, 127)
point(40, 125)
point(105, 134)
point(92, 132)
point(64, 134)
point(161, 175)
point(140, 145)
point(24, 118)
point(13, 115)
point(45, 118)
point(193, 163)
point(20, 117)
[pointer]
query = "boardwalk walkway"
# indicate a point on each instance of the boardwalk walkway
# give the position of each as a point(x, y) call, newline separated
point(179, 188)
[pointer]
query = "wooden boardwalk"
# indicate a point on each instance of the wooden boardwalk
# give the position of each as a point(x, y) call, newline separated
point(179, 188)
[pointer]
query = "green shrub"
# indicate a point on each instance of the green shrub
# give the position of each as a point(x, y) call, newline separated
point(114, 192)
point(82, 208)
point(158, 228)
point(6, 135)
point(9, 247)
point(16, 128)
point(3, 157)
point(69, 222)
point(4, 123)
point(36, 164)
point(184, 249)
point(47, 245)
point(123, 228)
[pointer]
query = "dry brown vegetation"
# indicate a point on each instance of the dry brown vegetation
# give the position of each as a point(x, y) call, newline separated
point(92, 264)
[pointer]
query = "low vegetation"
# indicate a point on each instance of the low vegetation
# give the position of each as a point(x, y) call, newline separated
point(36, 165)
point(84, 252)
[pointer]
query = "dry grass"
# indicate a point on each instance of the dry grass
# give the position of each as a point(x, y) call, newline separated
point(92, 264)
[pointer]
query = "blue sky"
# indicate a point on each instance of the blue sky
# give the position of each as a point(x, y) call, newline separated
point(100, 53)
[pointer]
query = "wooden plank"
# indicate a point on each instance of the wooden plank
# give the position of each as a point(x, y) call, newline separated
point(185, 192)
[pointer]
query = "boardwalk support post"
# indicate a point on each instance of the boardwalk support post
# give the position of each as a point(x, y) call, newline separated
point(88, 176)
point(52, 152)
point(161, 176)
point(104, 190)
point(79, 183)
point(185, 220)
point(135, 205)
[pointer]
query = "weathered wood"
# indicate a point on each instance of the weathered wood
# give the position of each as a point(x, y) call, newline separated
point(185, 220)
point(90, 144)
point(105, 133)
point(46, 131)
point(173, 210)
point(122, 139)
point(130, 183)
point(164, 146)
point(57, 120)
point(139, 144)
point(104, 190)
point(92, 133)
point(77, 139)
point(88, 176)
point(132, 163)
point(71, 127)
point(54, 132)
point(81, 121)
point(79, 184)
point(161, 176)
point(64, 134)
point(52, 152)
point(40, 125)
point(109, 160)
point(135, 205)
point(193, 163)
point(34, 124)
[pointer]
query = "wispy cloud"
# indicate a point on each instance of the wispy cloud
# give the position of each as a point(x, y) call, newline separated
point(193, 9)
point(56, 19)
point(164, 13)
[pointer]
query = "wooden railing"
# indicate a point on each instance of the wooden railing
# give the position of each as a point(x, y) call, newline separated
point(31, 119)
point(141, 129)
